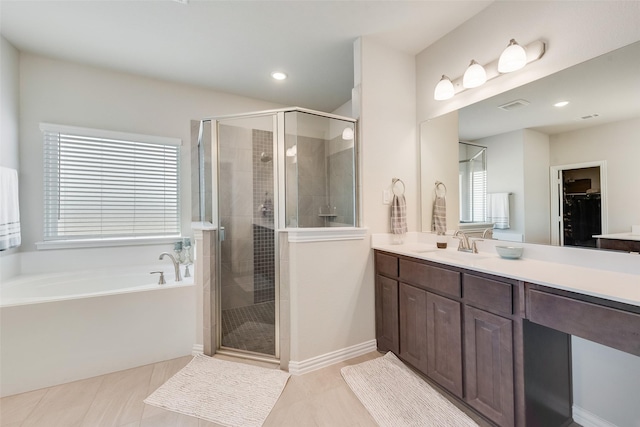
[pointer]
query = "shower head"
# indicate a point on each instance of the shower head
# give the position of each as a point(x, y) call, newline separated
point(264, 157)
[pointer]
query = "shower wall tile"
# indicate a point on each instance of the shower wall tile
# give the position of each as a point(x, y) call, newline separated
point(263, 228)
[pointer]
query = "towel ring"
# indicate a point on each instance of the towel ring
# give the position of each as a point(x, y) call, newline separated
point(394, 181)
point(444, 189)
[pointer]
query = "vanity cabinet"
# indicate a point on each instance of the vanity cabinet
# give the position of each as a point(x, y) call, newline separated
point(467, 332)
point(387, 331)
point(489, 365)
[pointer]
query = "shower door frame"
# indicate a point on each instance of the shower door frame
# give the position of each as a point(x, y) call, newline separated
point(220, 349)
point(279, 166)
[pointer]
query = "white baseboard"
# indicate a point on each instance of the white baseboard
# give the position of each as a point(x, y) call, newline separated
point(197, 349)
point(588, 419)
point(324, 360)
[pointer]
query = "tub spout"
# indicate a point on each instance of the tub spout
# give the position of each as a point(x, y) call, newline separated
point(176, 265)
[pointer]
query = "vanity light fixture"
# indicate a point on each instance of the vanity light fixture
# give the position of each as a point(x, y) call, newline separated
point(279, 75)
point(561, 104)
point(513, 58)
point(347, 134)
point(444, 89)
point(474, 76)
point(509, 60)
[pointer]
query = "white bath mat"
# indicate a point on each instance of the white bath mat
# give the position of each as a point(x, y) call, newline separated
point(395, 396)
point(226, 393)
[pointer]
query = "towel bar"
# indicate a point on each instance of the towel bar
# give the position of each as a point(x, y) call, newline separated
point(394, 181)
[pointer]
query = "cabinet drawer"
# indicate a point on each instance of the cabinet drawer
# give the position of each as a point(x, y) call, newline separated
point(387, 265)
point(605, 325)
point(488, 293)
point(429, 277)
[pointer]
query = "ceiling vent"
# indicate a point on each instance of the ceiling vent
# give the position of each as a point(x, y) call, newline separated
point(514, 105)
point(590, 116)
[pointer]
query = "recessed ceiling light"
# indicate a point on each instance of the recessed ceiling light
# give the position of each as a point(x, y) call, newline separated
point(278, 75)
point(561, 104)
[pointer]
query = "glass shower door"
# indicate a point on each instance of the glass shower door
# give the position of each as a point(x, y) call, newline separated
point(247, 294)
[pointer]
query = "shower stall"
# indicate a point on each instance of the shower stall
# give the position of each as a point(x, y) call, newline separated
point(260, 174)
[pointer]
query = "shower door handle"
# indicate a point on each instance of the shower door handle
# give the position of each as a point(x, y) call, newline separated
point(221, 234)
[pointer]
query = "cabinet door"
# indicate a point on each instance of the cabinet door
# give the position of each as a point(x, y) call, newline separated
point(387, 334)
point(413, 326)
point(444, 342)
point(489, 365)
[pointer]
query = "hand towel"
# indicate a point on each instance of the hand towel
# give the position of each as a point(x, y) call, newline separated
point(498, 210)
point(439, 217)
point(9, 209)
point(398, 215)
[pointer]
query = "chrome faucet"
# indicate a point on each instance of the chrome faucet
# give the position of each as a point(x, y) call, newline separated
point(465, 245)
point(176, 265)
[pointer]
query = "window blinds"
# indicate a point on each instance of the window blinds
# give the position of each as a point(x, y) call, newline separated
point(102, 184)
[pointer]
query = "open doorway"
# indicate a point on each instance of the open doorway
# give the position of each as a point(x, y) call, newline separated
point(578, 196)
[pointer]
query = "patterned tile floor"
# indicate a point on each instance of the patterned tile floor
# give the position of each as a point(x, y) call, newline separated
point(250, 328)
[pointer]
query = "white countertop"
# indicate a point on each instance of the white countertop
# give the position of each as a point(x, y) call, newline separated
point(619, 236)
point(611, 285)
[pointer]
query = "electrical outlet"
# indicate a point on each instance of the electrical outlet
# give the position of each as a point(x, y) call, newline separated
point(386, 197)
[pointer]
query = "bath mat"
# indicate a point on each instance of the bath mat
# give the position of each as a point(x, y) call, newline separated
point(227, 393)
point(395, 396)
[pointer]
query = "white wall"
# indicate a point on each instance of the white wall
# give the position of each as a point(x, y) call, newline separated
point(78, 95)
point(388, 132)
point(617, 143)
point(331, 308)
point(535, 167)
point(438, 151)
point(505, 174)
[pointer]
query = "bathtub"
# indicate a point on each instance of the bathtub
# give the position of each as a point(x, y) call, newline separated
point(61, 327)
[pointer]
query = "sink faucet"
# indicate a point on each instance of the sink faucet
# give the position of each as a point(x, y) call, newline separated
point(465, 245)
point(176, 265)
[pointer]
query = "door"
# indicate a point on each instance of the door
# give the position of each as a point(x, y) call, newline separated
point(489, 365)
point(247, 211)
point(387, 334)
point(444, 342)
point(578, 203)
point(413, 326)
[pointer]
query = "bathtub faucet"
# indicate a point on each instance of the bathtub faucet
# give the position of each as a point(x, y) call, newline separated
point(176, 265)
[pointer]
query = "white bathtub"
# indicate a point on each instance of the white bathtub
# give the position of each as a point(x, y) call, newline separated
point(61, 327)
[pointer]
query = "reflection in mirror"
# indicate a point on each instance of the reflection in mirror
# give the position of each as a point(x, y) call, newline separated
point(528, 138)
point(472, 169)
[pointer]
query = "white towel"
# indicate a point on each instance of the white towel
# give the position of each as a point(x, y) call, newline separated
point(9, 209)
point(398, 215)
point(439, 217)
point(498, 210)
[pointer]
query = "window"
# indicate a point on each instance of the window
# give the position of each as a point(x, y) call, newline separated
point(107, 185)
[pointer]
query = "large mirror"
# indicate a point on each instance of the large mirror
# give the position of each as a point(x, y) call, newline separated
point(551, 159)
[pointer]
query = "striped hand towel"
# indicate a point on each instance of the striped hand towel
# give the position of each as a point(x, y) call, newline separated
point(9, 209)
point(498, 210)
point(398, 215)
point(439, 217)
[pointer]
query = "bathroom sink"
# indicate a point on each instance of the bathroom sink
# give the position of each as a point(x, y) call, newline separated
point(460, 256)
point(424, 250)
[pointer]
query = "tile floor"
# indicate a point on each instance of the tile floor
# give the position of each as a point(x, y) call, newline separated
point(320, 398)
point(250, 328)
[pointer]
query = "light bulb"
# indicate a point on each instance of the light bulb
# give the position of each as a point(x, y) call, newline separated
point(512, 58)
point(278, 75)
point(474, 76)
point(444, 89)
point(347, 134)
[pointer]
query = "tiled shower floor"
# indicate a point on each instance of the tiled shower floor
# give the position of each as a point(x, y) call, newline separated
point(250, 328)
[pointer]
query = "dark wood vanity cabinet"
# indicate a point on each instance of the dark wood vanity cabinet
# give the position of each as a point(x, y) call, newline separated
point(466, 332)
point(489, 365)
point(387, 332)
point(431, 337)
